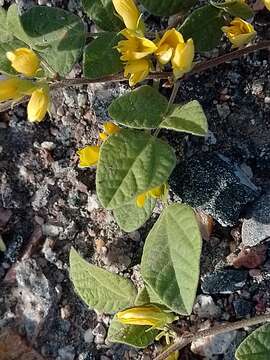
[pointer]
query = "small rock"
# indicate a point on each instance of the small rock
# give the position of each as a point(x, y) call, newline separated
point(195, 181)
point(48, 145)
point(36, 298)
point(249, 258)
point(51, 230)
point(242, 308)
point(89, 336)
point(206, 308)
point(224, 281)
point(66, 353)
point(100, 333)
point(92, 202)
point(223, 111)
point(256, 226)
point(213, 345)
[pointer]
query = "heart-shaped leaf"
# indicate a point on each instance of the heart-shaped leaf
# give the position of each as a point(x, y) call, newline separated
point(131, 162)
point(256, 346)
point(99, 288)
point(189, 118)
point(171, 258)
point(100, 56)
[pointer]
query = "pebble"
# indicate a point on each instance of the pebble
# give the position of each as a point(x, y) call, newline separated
point(213, 345)
point(206, 308)
point(224, 281)
point(256, 225)
point(88, 336)
point(92, 203)
point(242, 308)
point(66, 353)
point(194, 180)
point(48, 145)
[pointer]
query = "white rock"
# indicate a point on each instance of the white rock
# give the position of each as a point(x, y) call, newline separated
point(92, 203)
point(206, 308)
point(213, 345)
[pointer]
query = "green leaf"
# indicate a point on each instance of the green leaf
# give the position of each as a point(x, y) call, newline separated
point(102, 12)
point(189, 118)
point(99, 288)
point(130, 217)
point(204, 27)
point(57, 35)
point(130, 163)
point(132, 335)
point(167, 7)
point(142, 297)
point(256, 346)
point(171, 258)
point(5, 34)
point(5, 64)
point(142, 108)
point(235, 8)
point(101, 58)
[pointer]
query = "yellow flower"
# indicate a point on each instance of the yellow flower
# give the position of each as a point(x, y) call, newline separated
point(156, 193)
point(239, 32)
point(24, 60)
point(267, 4)
point(182, 60)
point(14, 88)
point(137, 71)
point(167, 45)
point(38, 105)
point(150, 315)
point(89, 156)
point(135, 47)
point(109, 129)
point(128, 12)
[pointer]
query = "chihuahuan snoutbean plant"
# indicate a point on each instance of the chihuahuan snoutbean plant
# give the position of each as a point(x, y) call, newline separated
point(39, 48)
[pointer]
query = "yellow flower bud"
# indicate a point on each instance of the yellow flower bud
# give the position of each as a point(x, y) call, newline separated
point(128, 12)
point(24, 60)
point(182, 61)
point(240, 32)
point(135, 47)
point(167, 45)
point(38, 105)
point(88, 156)
point(14, 88)
point(109, 129)
point(156, 193)
point(137, 71)
point(267, 4)
point(150, 315)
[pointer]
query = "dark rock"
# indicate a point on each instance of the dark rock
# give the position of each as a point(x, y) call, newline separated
point(211, 183)
point(242, 308)
point(224, 281)
point(256, 226)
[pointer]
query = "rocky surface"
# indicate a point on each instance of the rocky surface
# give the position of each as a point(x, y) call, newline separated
point(48, 204)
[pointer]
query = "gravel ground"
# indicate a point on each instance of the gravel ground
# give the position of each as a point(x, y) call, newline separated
point(48, 204)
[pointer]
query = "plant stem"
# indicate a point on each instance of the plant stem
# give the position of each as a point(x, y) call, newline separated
point(204, 65)
point(183, 341)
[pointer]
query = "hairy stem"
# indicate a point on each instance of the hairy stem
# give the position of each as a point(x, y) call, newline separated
point(202, 66)
point(183, 341)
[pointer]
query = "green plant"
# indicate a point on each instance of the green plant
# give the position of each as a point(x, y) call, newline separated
point(133, 163)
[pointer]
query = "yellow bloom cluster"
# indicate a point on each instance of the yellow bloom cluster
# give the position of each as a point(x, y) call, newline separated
point(239, 32)
point(267, 4)
point(26, 62)
point(136, 49)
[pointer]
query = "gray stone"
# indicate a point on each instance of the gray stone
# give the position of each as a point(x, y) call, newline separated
point(211, 183)
point(36, 298)
point(256, 226)
point(224, 281)
point(88, 336)
point(242, 308)
point(213, 345)
point(206, 308)
point(66, 353)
